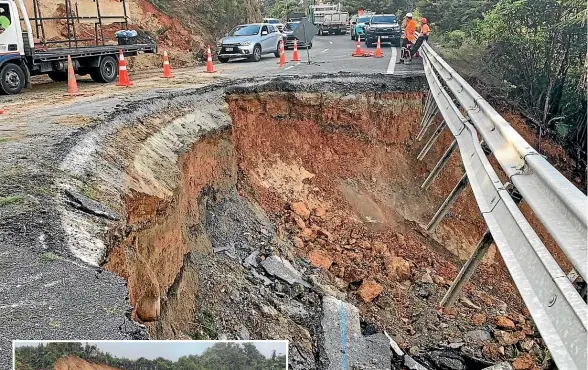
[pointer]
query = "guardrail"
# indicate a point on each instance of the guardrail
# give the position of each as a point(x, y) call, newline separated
point(560, 313)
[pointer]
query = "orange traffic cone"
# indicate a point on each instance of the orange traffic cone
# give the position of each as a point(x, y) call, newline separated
point(358, 52)
point(72, 85)
point(166, 67)
point(379, 49)
point(123, 73)
point(209, 66)
point(295, 56)
point(282, 54)
point(1, 111)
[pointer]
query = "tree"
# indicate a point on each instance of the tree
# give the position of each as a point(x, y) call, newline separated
point(281, 8)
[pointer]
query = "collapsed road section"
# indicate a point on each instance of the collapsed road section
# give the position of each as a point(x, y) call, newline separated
point(286, 209)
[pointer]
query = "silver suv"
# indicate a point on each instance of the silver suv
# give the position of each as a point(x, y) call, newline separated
point(250, 41)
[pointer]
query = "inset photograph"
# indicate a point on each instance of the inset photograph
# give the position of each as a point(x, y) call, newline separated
point(150, 355)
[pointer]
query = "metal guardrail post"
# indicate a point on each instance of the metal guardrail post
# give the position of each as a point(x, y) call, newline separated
point(439, 166)
point(427, 121)
point(467, 270)
point(432, 140)
point(451, 198)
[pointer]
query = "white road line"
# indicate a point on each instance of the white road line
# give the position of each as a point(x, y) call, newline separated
point(392, 64)
point(324, 51)
point(289, 67)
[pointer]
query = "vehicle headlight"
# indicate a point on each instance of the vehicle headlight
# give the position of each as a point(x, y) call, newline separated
point(245, 43)
point(219, 43)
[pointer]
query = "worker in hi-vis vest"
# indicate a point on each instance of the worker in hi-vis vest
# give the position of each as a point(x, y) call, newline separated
point(409, 37)
point(424, 36)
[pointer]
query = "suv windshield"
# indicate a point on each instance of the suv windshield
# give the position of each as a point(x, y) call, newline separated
point(384, 19)
point(246, 30)
point(291, 26)
point(363, 19)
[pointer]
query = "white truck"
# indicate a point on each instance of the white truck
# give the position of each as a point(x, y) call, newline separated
point(329, 18)
point(21, 57)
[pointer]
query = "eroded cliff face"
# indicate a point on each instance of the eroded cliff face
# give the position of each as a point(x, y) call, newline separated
point(353, 155)
point(168, 226)
point(326, 180)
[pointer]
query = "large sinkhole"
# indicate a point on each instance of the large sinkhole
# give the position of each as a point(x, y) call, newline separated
point(326, 184)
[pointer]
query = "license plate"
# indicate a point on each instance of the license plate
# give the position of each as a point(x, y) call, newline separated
point(229, 49)
point(384, 37)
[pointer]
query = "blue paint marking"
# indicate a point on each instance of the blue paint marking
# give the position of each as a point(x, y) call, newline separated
point(343, 322)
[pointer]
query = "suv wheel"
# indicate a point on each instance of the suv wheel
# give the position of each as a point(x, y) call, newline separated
point(277, 52)
point(368, 42)
point(256, 57)
point(223, 60)
point(12, 79)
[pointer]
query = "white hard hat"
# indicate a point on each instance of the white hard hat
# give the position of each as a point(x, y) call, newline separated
point(408, 15)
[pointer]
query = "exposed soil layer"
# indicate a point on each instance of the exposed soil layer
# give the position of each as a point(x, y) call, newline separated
point(330, 182)
point(76, 363)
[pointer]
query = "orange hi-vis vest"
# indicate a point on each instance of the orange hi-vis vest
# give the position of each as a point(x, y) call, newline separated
point(425, 30)
point(410, 30)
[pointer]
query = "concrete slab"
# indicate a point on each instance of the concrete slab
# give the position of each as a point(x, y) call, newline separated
point(281, 268)
point(345, 347)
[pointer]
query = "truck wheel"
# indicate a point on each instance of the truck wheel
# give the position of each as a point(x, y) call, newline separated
point(12, 79)
point(57, 76)
point(106, 71)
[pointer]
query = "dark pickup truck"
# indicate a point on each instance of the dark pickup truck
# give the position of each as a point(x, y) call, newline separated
point(384, 26)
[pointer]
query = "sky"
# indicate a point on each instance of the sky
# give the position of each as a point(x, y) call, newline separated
point(171, 350)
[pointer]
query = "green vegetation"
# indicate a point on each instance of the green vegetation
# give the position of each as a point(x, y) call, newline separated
point(49, 257)
point(207, 328)
point(4, 201)
point(89, 191)
point(530, 54)
point(221, 356)
point(281, 8)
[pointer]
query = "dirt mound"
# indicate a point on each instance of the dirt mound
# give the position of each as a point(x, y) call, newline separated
point(76, 363)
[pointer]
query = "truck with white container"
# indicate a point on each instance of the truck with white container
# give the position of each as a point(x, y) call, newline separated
point(24, 53)
point(328, 18)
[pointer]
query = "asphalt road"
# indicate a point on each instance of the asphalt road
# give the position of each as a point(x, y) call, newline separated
point(329, 54)
point(45, 291)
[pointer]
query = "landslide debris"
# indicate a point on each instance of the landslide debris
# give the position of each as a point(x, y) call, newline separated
point(307, 200)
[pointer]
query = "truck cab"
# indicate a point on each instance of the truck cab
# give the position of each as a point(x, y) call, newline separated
point(14, 73)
